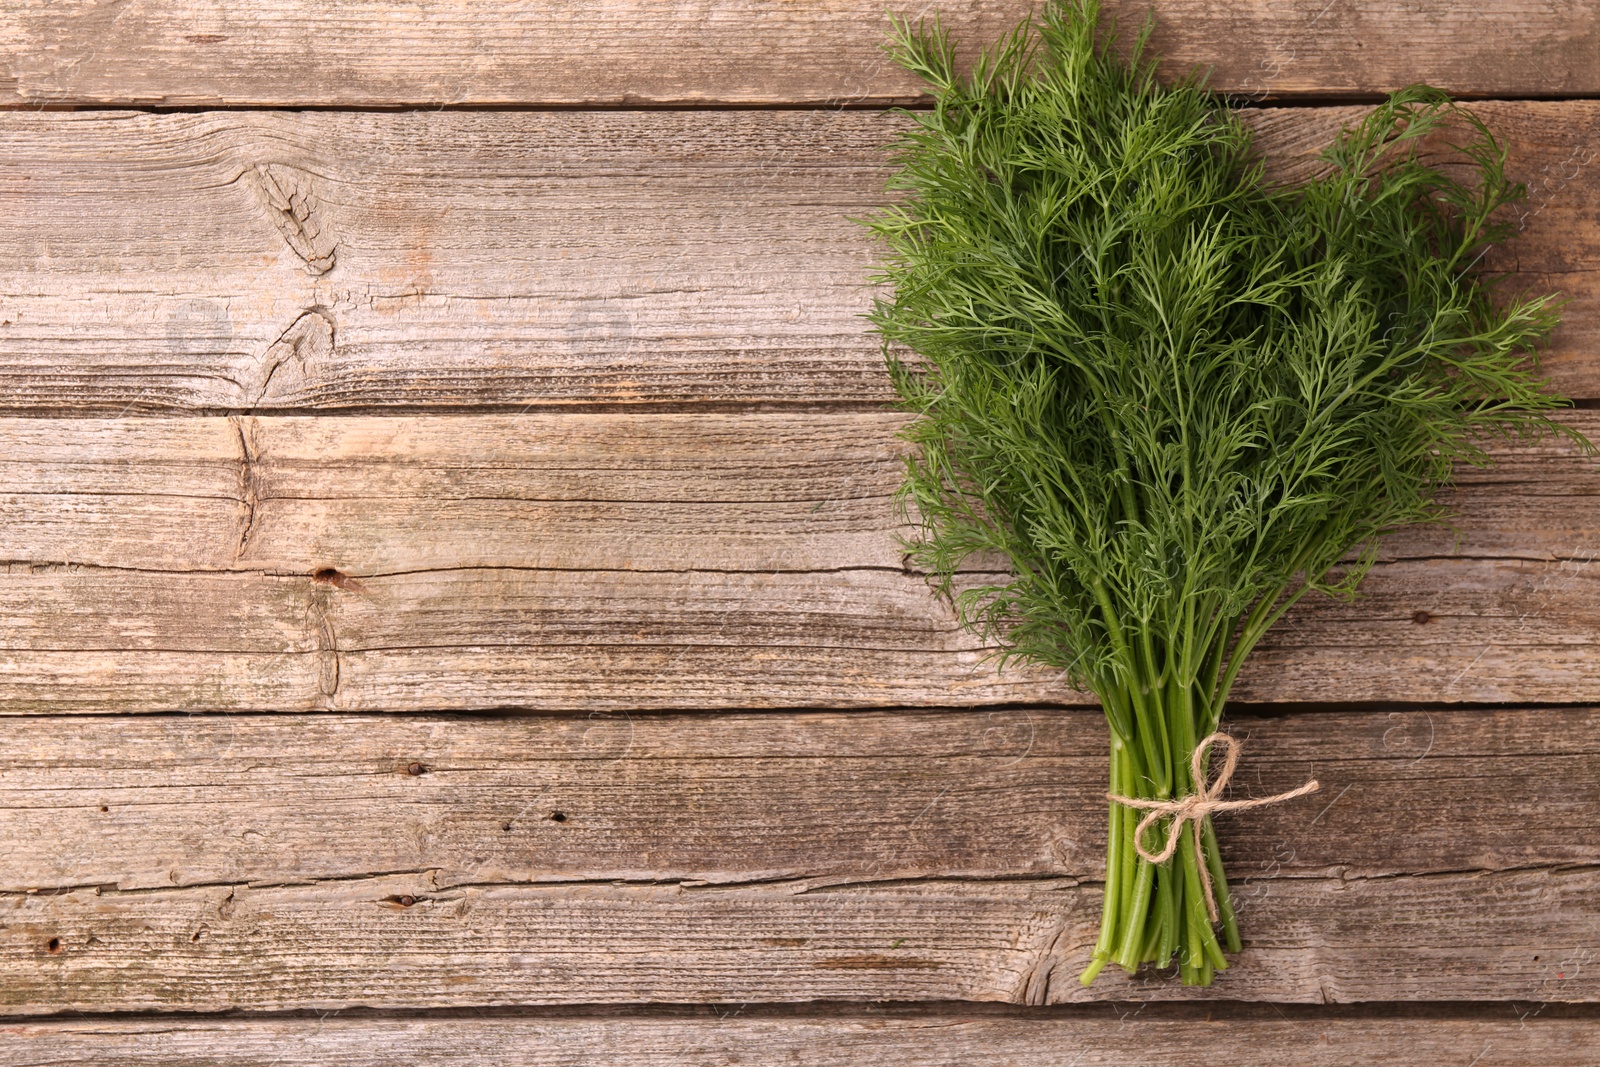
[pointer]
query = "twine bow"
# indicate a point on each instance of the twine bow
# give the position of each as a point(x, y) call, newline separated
point(1194, 808)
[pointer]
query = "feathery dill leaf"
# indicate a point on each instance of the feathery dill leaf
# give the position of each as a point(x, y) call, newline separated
point(1175, 396)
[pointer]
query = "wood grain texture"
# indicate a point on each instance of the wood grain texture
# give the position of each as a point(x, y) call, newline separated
point(631, 52)
point(725, 799)
point(401, 941)
point(1507, 1036)
point(333, 261)
point(261, 262)
point(262, 863)
point(633, 561)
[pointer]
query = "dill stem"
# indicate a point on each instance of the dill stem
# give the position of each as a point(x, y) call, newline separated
point(1219, 886)
point(1122, 879)
point(1163, 916)
point(1156, 920)
point(1173, 926)
point(1127, 858)
point(1138, 907)
point(1110, 906)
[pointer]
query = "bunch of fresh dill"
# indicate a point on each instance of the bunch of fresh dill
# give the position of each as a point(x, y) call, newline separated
point(1174, 396)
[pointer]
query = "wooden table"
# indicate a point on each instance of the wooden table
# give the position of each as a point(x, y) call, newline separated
point(454, 611)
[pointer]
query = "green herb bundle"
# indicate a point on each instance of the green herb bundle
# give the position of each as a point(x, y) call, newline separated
point(1174, 397)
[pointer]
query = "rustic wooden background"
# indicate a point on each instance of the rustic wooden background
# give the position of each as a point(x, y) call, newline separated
point(453, 611)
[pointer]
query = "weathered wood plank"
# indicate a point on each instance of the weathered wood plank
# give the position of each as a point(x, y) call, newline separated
point(628, 52)
point(126, 641)
point(273, 262)
point(400, 941)
point(375, 495)
point(760, 492)
point(1510, 1036)
point(674, 561)
point(503, 259)
point(347, 861)
point(740, 798)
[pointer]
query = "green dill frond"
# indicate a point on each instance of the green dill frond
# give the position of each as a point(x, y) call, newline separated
point(1173, 395)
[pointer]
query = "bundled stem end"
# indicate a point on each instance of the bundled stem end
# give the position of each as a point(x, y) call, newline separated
point(1194, 810)
point(1175, 397)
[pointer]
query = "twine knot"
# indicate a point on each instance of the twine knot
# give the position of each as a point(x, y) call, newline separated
point(1194, 808)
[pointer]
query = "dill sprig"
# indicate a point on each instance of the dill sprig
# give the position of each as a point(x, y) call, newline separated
point(1173, 396)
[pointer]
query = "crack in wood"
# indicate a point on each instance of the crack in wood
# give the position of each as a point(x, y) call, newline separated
point(244, 429)
point(327, 642)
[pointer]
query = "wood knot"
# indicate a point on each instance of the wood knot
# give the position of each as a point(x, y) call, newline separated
point(285, 192)
point(291, 361)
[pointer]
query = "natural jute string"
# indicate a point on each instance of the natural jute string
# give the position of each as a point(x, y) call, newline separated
point(1194, 808)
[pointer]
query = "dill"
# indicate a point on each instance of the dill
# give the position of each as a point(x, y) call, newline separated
point(1173, 396)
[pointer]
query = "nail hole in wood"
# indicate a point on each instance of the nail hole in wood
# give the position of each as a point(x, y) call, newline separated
point(1421, 618)
point(506, 827)
point(338, 579)
point(104, 808)
point(416, 770)
point(558, 816)
point(53, 946)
